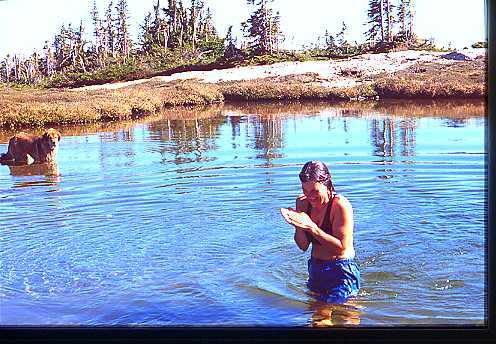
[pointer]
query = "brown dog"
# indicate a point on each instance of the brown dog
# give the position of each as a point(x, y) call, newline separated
point(23, 147)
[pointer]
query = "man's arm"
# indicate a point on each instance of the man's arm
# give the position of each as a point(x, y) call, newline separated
point(300, 236)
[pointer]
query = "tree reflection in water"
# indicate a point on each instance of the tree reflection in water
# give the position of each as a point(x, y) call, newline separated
point(189, 134)
point(269, 137)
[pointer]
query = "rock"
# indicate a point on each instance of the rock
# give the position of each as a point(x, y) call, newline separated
point(456, 56)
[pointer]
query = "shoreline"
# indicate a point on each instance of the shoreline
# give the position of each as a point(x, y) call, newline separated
point(394, 75)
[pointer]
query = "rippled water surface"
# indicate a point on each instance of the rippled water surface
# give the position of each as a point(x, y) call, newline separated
point(174, 220)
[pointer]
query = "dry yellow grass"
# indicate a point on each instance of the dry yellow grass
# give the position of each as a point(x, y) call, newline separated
point(465, 79)
point(293, 87)
point(183, 113)
point(34, 107)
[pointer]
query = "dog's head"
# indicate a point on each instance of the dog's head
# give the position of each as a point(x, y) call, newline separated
point(52, 137)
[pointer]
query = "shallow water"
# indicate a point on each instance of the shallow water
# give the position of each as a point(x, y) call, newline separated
point(174, 220)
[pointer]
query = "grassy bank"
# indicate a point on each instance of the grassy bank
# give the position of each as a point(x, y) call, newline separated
point(34, 107)
point(293, 87)
point(422, 80)
point(24, 107)
point(430, 80)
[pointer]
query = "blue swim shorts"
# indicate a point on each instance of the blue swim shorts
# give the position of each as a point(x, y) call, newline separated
point(334, 281)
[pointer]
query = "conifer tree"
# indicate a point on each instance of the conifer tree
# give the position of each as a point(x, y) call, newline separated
point(376, 32)
point(405, 19)
point(182, 21)
point(410, 15)
point(330, 43)
point(230, 51)
point(146, 34)
point(263, 27)
point(109, 31)
point(208, 28)
point(79, 43)
point(193, 22)
point(98, 34)
point(62, 49)
point(341, 38)
point(160, 31)
point(388, 9)
point(6, 67)
point(402, 18)
point(48, 60)
point(122, 36)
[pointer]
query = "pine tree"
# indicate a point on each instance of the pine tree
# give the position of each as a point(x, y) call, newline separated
point(276, 35)
point(401, 16)
point(376, 21)
point(410, 15)
point(6, 68)
point(160, 31)
point(330, 43)
point(79, 43)
point(62, 49)
point(405, 19)
point(341, 38)
point(230, 51)
point(208, 26)
point(122, 36)
point(263, 27)
point(183, 23)
point(193, 22)
point(48, 60)
point(146, 41)
point(173, 18)
point(388, 18)
point(98, 34)
point(110, 31)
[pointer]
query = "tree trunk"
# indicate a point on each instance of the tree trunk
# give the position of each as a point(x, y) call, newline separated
point(389, 21)
point(381, 10)
point(7, 68)
point(410, 28)
point(193, 25)
point(166, 37)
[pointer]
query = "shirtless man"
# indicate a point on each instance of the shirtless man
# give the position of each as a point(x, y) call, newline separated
point(325, 219)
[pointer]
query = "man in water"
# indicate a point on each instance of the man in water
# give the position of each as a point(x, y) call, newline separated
point(325, 219)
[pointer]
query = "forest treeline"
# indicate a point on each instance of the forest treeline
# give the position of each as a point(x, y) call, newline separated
point(174, 37)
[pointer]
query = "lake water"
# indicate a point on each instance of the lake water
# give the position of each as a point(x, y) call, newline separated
point(174, 219)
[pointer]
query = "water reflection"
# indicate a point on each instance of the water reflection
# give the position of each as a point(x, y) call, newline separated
point(269, 137)
point(326, 315)
point(49, 170)
point(407, 136)
point(191, 132)
point(382, 137)
point(188, 140)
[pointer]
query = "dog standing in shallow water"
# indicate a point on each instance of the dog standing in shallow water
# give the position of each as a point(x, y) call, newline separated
point(25, 147)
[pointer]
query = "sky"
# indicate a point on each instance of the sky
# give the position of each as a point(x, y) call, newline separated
point(26, 24)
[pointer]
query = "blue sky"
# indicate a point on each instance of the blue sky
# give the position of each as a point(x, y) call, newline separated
point(26, 24)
